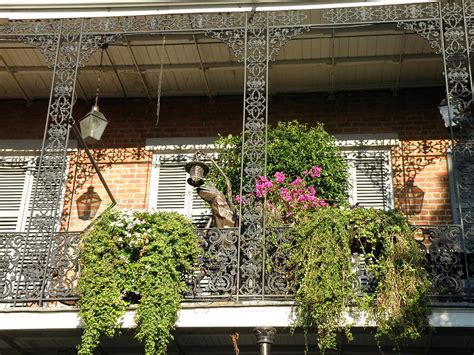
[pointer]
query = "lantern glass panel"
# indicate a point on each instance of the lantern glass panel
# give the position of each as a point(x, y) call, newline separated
point(93, 126)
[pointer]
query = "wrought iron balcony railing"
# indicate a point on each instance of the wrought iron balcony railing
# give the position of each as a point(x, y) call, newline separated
point(38, 269)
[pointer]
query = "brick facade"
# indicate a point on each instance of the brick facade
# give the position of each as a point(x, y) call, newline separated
point(412, 114)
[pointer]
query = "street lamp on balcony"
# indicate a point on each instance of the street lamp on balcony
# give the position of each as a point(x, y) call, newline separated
point(450, 113)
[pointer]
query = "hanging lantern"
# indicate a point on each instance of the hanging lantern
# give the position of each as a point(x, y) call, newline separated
point(411, 199)
point(88, 204)
point(93, 124)
point(197, 171)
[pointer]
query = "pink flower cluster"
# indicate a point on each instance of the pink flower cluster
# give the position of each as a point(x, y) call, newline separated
point(300, 195)
point(262, 186)
point(279, 177)
point(314, 172)
point(287, 196)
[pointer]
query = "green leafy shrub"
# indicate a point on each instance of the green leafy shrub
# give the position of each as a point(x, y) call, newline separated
point(134, 257)
point(292, 148)
point(329, 243)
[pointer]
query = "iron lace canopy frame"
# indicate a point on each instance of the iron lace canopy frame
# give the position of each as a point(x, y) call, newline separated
point(255, 39)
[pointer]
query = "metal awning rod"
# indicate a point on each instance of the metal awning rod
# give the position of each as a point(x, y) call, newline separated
point(142, 77)
point(8, 69)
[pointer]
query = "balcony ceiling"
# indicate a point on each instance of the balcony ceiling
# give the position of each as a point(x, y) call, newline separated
point(324, 59)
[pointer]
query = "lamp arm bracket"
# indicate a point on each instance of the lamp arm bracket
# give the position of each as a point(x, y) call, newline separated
point(73, 124)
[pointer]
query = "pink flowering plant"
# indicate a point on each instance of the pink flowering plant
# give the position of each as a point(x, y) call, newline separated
point(292, 148)
point(283, 197)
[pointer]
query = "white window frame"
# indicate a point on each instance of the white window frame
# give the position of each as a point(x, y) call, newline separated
point(176, 151)
point(376, 145)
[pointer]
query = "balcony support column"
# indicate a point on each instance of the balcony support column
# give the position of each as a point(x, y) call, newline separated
point(256, 45)
point(65, 47)
point(265, 336)
point(456, 21)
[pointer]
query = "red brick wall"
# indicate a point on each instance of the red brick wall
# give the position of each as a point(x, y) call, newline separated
point(412, 114)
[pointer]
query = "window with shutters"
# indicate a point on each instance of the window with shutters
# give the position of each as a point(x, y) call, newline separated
point(370, 177)
point(16, 183)
point(171, 192)
point(370, 168)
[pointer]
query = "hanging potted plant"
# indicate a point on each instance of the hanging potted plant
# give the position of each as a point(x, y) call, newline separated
point(140, 259)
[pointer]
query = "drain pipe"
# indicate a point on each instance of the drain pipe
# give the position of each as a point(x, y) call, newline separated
point(264, 337)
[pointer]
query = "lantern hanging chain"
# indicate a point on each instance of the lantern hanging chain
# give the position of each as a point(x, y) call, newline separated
point(160, 80)
point(104, 47)
point(235, 338)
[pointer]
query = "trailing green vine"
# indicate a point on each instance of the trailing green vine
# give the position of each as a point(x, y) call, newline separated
point(329, 244)
point(132, 257)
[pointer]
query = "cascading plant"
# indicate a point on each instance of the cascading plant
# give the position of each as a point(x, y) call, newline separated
point(331, 245)
point(134, 257)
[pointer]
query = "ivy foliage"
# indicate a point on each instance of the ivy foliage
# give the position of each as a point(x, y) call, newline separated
point(132, 257)
point(330, 242)
point(292, 147)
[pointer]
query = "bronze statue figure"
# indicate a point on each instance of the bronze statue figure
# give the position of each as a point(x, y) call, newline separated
point(224, 213)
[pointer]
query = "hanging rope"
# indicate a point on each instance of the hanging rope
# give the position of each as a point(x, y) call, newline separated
point(160, 80)
point(235, 338)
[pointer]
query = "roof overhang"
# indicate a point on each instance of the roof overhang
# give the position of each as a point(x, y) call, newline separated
point(36, 9)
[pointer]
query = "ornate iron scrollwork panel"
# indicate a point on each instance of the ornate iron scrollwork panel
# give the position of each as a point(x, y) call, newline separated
point(63, 269)
point(446, 257)
point(218, 267)
point(279, 277)
point(456, 52)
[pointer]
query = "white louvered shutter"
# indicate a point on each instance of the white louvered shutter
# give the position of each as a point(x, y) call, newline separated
point(171, 189)
point(371, 179)
point(15, 190)
point(200, 211)
point(173, 193)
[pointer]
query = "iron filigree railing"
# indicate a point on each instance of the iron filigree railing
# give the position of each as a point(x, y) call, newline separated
point(220, 268)
point(39, 269)
point(46, 271)
point(450, 262)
